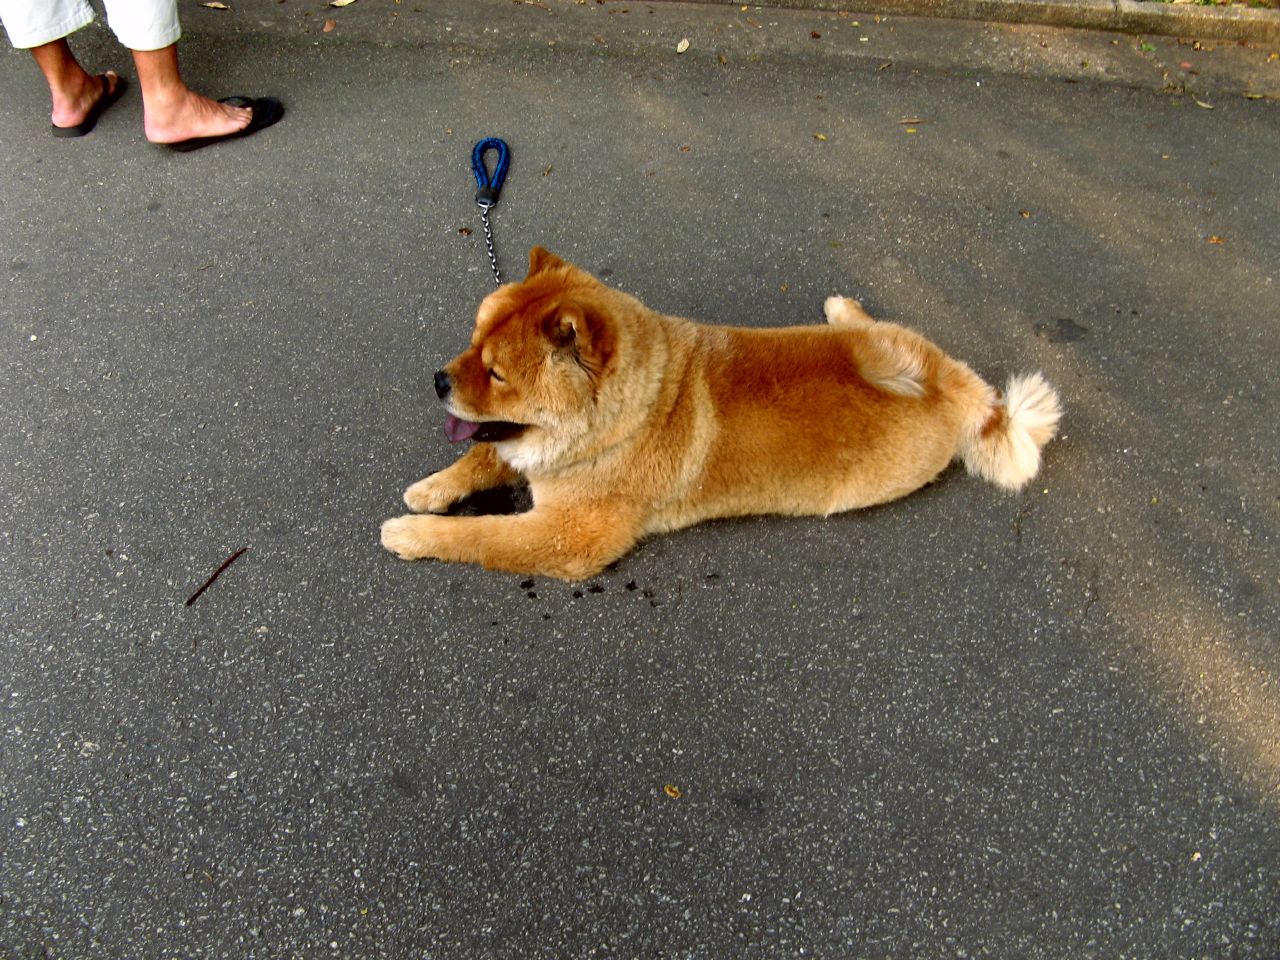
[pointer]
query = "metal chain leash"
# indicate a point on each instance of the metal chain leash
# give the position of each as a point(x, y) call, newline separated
point(488, 242)
point(489, 189)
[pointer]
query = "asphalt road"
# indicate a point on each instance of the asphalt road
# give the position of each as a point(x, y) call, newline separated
point(962, 725)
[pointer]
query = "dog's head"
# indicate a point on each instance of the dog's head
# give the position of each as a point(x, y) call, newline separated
point(540, 350)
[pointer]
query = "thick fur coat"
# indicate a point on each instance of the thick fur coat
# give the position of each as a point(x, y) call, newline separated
point(626, 422)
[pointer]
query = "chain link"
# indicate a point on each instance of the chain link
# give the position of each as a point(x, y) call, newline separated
point(488, 242)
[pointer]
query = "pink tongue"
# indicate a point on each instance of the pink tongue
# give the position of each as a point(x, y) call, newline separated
point(457, 430)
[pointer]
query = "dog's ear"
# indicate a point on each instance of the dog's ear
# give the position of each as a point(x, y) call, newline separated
point(584, 333)
point(540, 260)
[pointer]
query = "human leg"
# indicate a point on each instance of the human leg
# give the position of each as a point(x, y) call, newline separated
point(173, 112)
point(42, 27)
point(77, 95)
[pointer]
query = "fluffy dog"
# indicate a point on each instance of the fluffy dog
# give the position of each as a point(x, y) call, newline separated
point(626, 423)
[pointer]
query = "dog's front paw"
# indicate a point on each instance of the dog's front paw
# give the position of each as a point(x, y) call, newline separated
point(435, 494)
point(408, 537)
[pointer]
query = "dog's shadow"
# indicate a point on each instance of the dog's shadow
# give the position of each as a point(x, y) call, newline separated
point(501, 500)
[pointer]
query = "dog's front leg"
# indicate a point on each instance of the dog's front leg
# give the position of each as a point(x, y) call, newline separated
point(480, 468)
point(571, 543)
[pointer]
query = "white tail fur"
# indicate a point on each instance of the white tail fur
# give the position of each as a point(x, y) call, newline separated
point(1004, 447)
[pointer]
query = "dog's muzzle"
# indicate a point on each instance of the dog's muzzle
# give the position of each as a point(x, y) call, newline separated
point(443, 384)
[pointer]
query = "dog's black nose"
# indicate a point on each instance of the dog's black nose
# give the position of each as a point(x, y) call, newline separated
point(443, 384)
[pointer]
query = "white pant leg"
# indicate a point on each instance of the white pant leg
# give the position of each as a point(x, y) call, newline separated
point(143, 24)
point(138, 24)
point(33, 23)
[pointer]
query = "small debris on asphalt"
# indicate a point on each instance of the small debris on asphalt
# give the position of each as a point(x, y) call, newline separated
point(216, 574)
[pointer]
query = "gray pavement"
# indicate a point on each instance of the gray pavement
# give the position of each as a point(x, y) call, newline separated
point(1186, 18)
point(962, 725)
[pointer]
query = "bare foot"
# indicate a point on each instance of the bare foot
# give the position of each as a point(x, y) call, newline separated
point(189, 115)
point(73, 101)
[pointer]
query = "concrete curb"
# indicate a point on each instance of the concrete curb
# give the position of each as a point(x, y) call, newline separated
point(1124, 16)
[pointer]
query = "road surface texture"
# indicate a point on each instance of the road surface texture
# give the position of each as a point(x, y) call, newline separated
point(966, 724)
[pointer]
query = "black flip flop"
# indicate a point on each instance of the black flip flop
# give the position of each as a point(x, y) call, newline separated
point(108, 97)
point(266, 111)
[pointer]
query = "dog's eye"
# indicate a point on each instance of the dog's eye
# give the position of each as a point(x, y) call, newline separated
point(496, 377)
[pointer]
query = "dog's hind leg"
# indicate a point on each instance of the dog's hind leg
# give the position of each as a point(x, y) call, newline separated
point(844, 312)
point(891, 358)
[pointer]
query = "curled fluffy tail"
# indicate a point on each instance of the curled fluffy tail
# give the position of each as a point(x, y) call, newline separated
point(1004, 447)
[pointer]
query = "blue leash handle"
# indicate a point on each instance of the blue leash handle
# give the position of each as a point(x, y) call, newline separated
point(489, 187)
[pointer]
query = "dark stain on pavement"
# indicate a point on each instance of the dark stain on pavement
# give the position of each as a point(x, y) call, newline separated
point(752, 801)
point(403, 784)
point(1061, 330)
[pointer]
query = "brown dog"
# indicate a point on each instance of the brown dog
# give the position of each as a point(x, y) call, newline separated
point(626, 422)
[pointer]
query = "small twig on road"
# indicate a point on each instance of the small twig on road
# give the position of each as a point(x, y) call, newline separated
point(216, 574)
